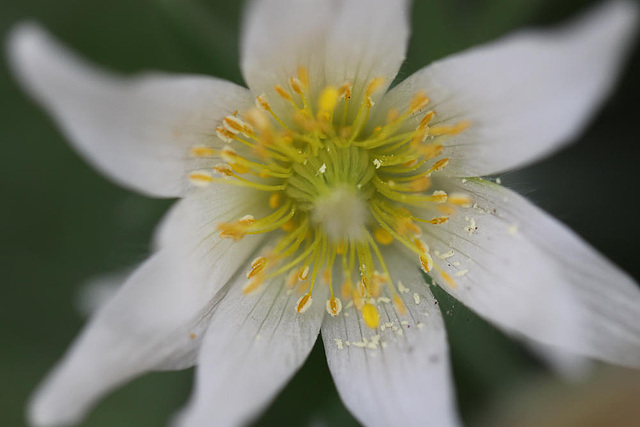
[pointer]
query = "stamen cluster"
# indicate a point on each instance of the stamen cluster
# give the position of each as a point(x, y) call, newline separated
point(339, 188)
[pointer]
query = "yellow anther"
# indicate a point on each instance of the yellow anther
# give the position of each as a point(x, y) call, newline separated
point(369, 102)
point(344, 91)
point(201, 151)
point(426, 262)
point(392, 115)
point(247, 220)
point(418, 102)
point(283, 93)
point(303, 303)
point(400, 307)
point(257, 266)
point(382, 236)
point(421, 246)
point(377, 280)
point(438, 220)
point(289, 226)
point(449, 130)
point(224, 169)
point(460, 199)
point(426, 119)
point(438, 197)
point(448, 279)
point(303, 76)
point(200, 178)
point(370, 315)
point(292, 279)
point(374, 85)
point(430, 151)
point(421, 184)
point(347, 289)
point(235, 230)
point(235, 125)
point(258, 119)
point(296, 85)
point(303, 273)
point(405, 226)
point(254, 284)
point(439, 165)
point(275, 199)
point(447, 209)
point(418, 137)
point(326, 276)
point(334, 306)
point(229, 155)
point(341, 248)
point(224, 134)
point(328, 99)
point(262, 103)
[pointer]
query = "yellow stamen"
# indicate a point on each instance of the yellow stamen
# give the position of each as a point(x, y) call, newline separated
point(449, 130)
point(304, 303)
point(418, 102)
point(382, 236)
point(200, 178)
point(374, 85)
point(370, 315)
point(334, 306)
point(201, 151)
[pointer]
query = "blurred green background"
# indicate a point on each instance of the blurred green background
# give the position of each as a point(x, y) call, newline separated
point(61, 223)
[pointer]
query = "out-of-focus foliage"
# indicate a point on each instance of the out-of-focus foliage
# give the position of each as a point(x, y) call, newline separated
point(61, 223)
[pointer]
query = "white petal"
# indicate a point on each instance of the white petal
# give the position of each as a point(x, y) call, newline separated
point(137, 131)
point(157, 319)
point(278, 36)
point(254, 344)
point(368, 40)
point(337, 41)
point(568, 365)
point(526, 272)
point(404, 379)
point(527, 94)
point(97, 291)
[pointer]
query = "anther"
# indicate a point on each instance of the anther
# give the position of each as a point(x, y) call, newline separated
point(303, 303)
point(296, 85)
point(460, 199)
point(201, 151)
point(426, 262)
point(418, 102)
point(224, 169)
point(304, 273)
point(400, 307)
point(274, 200)
point(225, 134)
point(426, 119)
point(344, 91)
point(283, 93)
point(449, 130)
point(262, 103)
point(370, 315)
point(200, 178)
point(257, 266)
point(382, 236)
point(374, 85)
point(253, 285)
point(334, 306)
point(439, 220)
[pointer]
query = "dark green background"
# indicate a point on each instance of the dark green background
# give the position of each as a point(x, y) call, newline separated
point(61, 223)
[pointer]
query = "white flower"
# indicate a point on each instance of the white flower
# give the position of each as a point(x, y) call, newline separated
point(310, 200)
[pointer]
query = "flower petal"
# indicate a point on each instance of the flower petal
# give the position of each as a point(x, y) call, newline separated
point(400, 373)
point(137, 131)
point(525, 95)
point(368, 40)
point(337, 41)
point(278, 36)
point(526, 272)
point(157, 319)
point(253, 345)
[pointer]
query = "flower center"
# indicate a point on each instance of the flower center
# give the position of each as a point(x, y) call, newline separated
point(341, 187)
